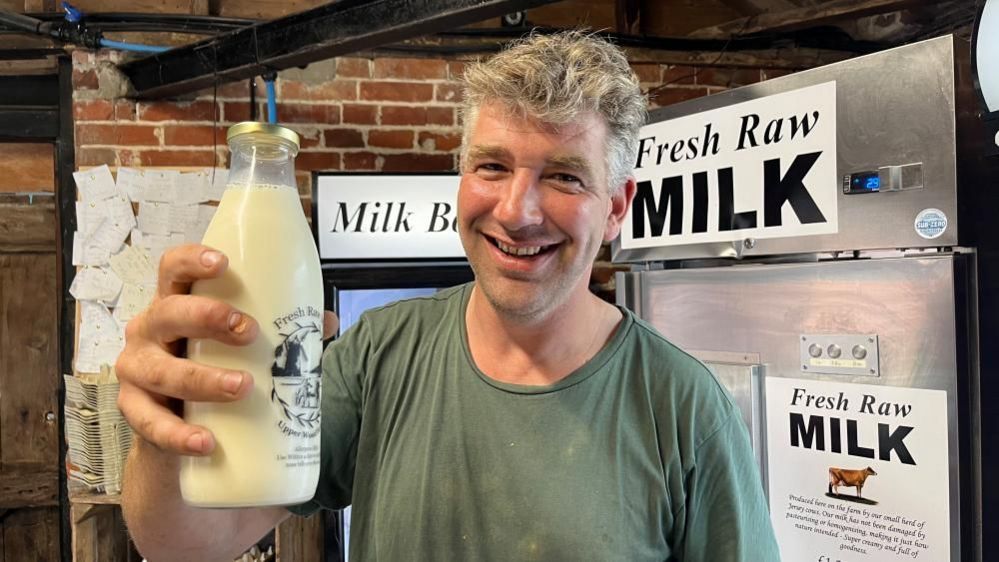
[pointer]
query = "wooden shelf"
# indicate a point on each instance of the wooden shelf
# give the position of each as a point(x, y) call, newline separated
point(92, 498)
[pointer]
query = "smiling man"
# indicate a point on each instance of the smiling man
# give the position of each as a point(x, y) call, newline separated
point(518, 417)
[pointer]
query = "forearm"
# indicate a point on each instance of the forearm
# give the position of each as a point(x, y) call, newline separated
point(163, 527)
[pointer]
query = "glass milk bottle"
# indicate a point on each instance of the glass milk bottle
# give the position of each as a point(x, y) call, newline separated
point(267, 444)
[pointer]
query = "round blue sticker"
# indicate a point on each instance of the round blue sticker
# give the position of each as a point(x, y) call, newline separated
point(931, 223)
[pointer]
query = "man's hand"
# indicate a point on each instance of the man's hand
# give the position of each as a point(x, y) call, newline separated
point(154, 378)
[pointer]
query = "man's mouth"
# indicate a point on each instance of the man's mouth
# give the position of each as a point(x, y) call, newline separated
point(520, 251)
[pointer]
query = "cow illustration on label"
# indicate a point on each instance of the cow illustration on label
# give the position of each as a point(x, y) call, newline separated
point(852, 478)
point(295, 374)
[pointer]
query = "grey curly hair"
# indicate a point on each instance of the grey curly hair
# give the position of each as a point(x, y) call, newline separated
point(555, 78)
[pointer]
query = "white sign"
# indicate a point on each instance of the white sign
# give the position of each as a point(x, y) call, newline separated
point(387, 216)
point(764, 168)
point(858, 472)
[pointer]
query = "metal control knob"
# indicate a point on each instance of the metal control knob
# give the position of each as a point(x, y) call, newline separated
point(815, 350)
point(859, 352)
point(834, 351)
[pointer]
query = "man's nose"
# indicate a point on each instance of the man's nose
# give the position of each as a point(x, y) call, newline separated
point(520, 202)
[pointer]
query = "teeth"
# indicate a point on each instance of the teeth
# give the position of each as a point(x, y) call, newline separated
point(525, 251)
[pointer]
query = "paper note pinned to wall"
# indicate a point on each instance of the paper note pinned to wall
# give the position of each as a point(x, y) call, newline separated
point(218, 178)
point(132, 265)
point(154, 218)
point(131, 182)
point(160, 185)
point(95, 184)
point(101, 338)
point(95, 283)
point(133, 300)
point(193, 188)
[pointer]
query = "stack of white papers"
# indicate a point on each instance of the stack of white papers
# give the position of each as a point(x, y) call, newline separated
point(97, 434)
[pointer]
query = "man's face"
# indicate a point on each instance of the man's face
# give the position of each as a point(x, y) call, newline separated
point(534, 207)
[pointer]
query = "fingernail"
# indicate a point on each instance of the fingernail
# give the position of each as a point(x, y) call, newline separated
point(237, 322)
point(231, 382)
point(196, 442)
point(210, 257)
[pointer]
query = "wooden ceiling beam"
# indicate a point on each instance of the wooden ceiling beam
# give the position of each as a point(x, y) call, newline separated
point(801, 18)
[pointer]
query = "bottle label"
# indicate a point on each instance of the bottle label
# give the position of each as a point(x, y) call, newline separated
point(295, 371)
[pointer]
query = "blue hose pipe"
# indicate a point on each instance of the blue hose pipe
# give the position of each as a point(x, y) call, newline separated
point(123, 46)
point(271, 102)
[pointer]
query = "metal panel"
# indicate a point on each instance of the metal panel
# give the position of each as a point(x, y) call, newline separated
point(335, 29)
point(908, 302)
point(894, 108)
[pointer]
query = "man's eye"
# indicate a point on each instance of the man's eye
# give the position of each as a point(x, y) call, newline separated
point(492, 167)
point(567, 179)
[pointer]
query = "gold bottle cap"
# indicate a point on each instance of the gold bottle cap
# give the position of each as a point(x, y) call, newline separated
point(247, 127)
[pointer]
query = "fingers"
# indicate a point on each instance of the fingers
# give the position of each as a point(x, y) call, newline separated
point(161, 427)
point(182, 265)
point(331, 323)
point(177, 317)
point(169, 376)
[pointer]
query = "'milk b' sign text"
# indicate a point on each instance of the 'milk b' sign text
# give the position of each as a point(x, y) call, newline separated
point(375, 217)
point(764, 168)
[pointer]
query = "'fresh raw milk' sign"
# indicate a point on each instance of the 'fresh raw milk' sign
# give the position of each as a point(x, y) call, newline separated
point(764, 168)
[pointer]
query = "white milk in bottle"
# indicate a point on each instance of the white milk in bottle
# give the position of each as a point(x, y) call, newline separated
point(267, 445)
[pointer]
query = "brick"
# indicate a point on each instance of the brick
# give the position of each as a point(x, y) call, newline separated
point(194, 135)
point(327, 91)
point(669, 96)
point(448, 92)
point(418, 162)
point(177, 111)
point(679, 75)
point(390, 139)
point(85, 79)
point(309, 137)
point(27, 167)
point(177, 158)
point(439, 142)
point(82, 57)
point(456, 69)
point(416, 69)
point(360, 114)
point(308, 113)
point(769, 73)
point(348, 67)
point(237, 111)
point(91, 156)
point(648, 73)
point(119, 135)
point(343, 138)
point(727, 77)
point(440, 116)
point(93, 110)
point(124, 110)
point(396, 91)
point(404, 115)
point(318, 161)
point(359, 161)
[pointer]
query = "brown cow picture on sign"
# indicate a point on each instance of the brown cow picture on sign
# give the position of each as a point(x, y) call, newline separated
point(848, 477)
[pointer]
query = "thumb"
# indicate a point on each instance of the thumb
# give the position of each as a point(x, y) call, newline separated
point(330, 324)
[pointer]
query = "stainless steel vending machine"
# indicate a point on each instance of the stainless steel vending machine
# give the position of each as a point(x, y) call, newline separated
point(808, 239)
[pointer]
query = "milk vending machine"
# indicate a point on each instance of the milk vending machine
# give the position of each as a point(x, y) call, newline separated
point(382, 237)
point(808, 238)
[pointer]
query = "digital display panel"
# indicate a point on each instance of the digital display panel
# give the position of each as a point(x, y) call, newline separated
point(862, 182)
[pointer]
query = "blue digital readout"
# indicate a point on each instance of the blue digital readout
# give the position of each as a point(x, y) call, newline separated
point(865, 182)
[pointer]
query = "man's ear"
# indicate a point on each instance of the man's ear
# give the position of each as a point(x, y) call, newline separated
point(620, 202)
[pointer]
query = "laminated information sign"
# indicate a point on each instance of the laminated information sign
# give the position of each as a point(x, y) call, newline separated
point(857, 472)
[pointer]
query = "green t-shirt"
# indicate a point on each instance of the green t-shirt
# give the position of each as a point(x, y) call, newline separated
point(638, 455)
